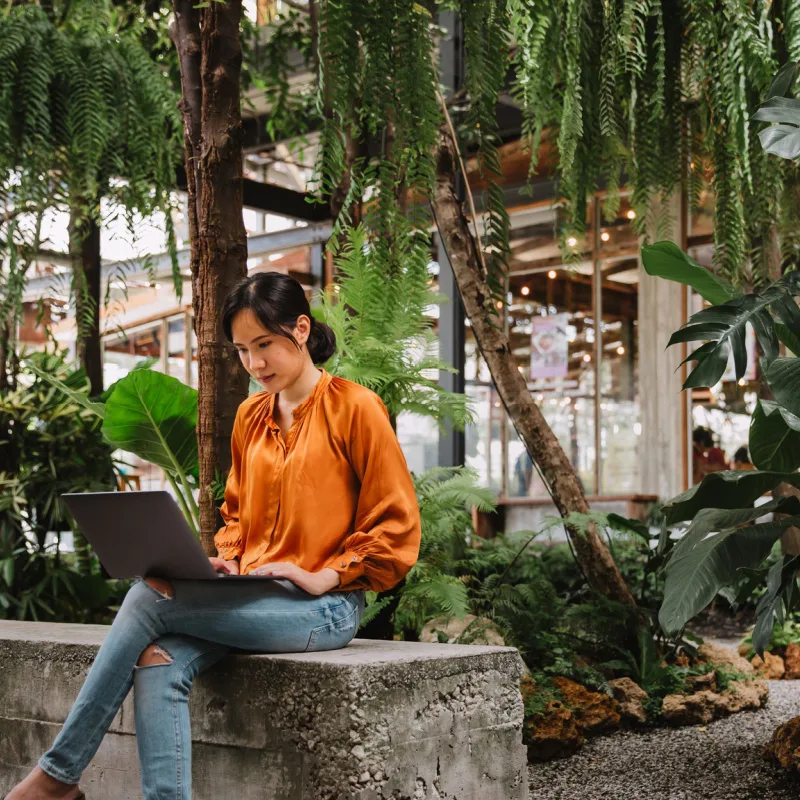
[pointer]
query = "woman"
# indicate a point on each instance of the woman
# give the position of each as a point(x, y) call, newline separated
point(318, 496)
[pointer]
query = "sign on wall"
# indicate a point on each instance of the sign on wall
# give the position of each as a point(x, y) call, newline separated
point(550, 347)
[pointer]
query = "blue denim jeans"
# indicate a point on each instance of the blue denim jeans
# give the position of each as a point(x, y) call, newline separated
point(194, 629)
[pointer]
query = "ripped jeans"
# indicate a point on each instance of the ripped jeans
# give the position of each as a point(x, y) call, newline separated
point(192, 629)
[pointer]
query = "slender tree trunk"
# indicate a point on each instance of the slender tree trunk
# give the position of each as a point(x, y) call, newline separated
point(210, 59)
point(84, 248)
point(592, 554)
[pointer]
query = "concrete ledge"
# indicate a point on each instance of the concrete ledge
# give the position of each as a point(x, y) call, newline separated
point(374, 721)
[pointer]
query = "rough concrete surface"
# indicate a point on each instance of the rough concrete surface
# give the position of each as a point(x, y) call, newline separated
point(719, 761)
point(373, 721)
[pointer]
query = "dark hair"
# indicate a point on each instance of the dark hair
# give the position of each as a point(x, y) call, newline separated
point(702, 436)
point(278, 301)
point(741, 456)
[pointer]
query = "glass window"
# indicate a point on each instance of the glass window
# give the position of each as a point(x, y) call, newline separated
point(620, 426)
point(176, 339)
point(552, 336)
point(484, 438)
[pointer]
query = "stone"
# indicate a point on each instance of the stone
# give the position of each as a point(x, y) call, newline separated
point(771, 667)
point(594, 711)
point(446, 717)
point(467, 630)
point(630, 699)
point(704, 706)
point(724, 656)
point(554, 733)
point(791, 661)
point(784, 746)
point(698, 683)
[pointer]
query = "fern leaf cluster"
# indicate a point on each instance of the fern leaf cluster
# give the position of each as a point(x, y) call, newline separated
point(660, 93)
point(85, 112)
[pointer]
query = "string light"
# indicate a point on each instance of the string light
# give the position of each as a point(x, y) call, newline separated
point(526, 290)
point(552, 274)
point(631, 214)
point(605, 236)
point(499, 304)
point(572, 241)
point(587, 358)
point(620, 351)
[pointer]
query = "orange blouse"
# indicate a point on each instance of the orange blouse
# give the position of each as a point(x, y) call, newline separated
point(337, 493)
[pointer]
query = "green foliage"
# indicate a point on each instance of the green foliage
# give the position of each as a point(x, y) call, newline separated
point(635, 88)
point(85, 113)
point(384, 339)
point(49, 445)
point(153, 416)
point(781, 636)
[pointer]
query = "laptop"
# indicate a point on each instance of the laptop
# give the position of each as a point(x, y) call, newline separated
point(143, 535)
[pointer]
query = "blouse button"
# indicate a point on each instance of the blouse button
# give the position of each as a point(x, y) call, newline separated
point(343, 565)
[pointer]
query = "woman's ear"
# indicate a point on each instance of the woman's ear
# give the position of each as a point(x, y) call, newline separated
point(302, 329)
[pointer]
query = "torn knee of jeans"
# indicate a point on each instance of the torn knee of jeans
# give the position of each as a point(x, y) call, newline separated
point(153, 655)
point(164, 588)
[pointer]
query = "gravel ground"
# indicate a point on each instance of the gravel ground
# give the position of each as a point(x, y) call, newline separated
point(721, 762)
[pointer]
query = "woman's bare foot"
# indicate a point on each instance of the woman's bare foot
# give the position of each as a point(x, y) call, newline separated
point(40, 786)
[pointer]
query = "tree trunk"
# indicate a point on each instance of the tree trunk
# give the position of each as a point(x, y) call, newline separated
point(210, 59)
point(593, 556)
point(84, 248)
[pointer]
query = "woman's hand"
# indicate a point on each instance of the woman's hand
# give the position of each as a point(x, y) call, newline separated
point(313, 582)
point(221, 565)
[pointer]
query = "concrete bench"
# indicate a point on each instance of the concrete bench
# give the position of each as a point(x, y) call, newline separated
point(374, 721)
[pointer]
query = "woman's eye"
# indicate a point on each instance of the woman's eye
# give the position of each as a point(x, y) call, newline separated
point(263, 345)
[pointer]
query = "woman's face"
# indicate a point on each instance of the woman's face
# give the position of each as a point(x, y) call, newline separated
point(272, 360)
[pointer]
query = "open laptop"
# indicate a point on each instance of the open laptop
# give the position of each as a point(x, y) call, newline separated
point(143, 535)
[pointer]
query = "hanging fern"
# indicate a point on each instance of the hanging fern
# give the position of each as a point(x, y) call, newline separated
point(85, 112)
point(661, 93)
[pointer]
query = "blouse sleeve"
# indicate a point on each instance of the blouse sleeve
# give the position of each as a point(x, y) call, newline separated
point(228, 539)
point(385, 543)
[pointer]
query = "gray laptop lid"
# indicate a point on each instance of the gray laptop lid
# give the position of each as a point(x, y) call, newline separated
point(141, 534)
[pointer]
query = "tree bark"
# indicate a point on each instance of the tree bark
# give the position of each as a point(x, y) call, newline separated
point(222, 247)
point(593, 556)
point(84, 248)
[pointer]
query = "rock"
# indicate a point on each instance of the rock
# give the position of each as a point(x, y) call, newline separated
point(593, 711)
point(630, 699)
point(552, 734)
point(705, 706)
point(784, 746)
point(716, 654)
point(771, 668)
point(468, 630)
point(745, 649)
point(698, 683)
point(791, 660)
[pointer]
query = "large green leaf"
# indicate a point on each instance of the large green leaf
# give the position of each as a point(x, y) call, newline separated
point(782, 83)
point(779, 109)
point(723, 329)
point(774, 445)
point(154, 416)
point(783, 377)
point(781, 140)
point(78, 397)
point(710, 520)
point(693, 580)
point(667, 260)
point(727, 489)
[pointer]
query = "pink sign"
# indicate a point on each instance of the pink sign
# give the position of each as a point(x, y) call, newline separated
point(550, 347)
